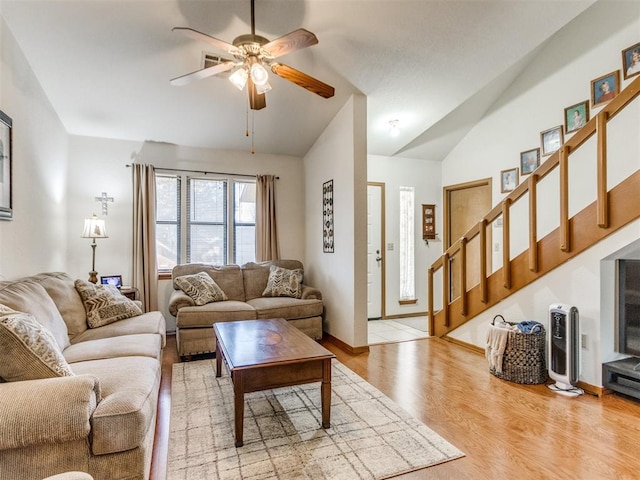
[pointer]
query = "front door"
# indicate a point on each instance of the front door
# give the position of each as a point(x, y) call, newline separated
point(375, 257)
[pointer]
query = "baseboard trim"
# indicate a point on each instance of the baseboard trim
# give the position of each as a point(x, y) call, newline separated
point(468, 346)
point(592, 389)
point(344, 346)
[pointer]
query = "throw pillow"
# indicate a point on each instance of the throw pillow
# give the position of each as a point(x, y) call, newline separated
point(104, 304)
point(29, 349)
point(284, 283)
point(201, 288)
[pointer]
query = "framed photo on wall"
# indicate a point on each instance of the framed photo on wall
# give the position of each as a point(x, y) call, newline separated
point(529, 161)
point(6, 170)
point(605, 88)
point(327, 217)
point(551, 140)
point(631, 61)
point(508, 180)
point(576, 116)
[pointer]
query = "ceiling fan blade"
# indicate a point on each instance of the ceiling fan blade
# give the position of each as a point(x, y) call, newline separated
point(203, 73)
point(305, 81)
point(257, 101)
point(203, 37)
point(292, 41)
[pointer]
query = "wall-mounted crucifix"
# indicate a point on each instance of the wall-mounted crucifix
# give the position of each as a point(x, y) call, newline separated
point(104, 199)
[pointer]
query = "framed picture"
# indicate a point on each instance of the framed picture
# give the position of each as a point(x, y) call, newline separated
point(529, 161)
point(327, 217)
point(605, 88)
point(576, 116)
point(6, 170)
point(508, 180)
point(631, 61)
point(551, 140)
point(114, 280)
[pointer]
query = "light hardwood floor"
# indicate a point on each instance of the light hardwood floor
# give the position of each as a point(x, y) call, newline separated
point(506, 430)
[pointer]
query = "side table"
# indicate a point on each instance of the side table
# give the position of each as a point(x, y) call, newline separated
point(129, 292)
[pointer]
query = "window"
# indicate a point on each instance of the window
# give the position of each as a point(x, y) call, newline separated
point(212, 220)
point(167, 221)
point(407, 273)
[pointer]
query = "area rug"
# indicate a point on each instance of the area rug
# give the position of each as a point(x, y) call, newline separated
point(370, 436)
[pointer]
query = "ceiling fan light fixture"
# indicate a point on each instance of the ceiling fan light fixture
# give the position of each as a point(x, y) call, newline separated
point(259, 74)
point(263, 88)
point(239, 78)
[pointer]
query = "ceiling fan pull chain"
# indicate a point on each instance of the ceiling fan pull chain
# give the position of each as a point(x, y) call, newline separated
point(246, 133)
point(253, 134)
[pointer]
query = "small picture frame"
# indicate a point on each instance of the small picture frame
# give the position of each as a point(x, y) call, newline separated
point(529, 161)
point(508, 180)
point(576, 116)
point(6, 167)
point(113, 280)
point(605, 88)
point(551, 140)
point(631, 61)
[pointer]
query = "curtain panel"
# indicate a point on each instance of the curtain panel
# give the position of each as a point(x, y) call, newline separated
point(267, 247)
point(145, 268)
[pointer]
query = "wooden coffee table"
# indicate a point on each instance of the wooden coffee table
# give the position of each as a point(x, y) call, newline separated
point(265, 354)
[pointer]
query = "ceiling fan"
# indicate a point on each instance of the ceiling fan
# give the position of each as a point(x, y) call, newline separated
point(253, 55)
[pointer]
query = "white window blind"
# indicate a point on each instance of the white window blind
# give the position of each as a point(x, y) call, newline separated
point(212, 220)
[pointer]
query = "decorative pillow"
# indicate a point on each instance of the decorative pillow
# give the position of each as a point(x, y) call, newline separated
point(284, 283)
point(201, 288)
point(29, 349)
point(104, 304)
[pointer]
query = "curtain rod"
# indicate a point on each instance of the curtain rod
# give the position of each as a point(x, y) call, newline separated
point(204, 172)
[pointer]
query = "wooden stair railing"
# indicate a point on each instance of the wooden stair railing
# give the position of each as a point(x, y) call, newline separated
point(611, 210)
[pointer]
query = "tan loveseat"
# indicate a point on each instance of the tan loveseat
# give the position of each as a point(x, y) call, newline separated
point(244, 286)
point(100, 419)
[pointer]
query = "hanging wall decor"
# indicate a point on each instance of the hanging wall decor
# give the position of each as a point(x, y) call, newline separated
point(6, 194)
point(327, 216)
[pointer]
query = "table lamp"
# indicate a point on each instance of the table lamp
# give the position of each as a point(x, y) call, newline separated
point(94, 228)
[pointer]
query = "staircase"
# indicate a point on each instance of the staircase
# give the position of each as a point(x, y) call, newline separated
point(612, 209)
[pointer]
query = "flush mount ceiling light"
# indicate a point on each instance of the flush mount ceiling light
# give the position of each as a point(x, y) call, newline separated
point(254, 56)
point(394, 129)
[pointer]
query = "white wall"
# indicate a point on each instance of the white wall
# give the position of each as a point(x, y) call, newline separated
point(560, 76)
point(35, 240)
point(577, 282)
point(339, 154)
point(425, 177)
point(98, 165)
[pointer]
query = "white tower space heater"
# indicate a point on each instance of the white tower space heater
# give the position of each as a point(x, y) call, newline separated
point(564, 349)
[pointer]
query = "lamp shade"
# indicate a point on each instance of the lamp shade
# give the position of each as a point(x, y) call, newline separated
point(94, 227)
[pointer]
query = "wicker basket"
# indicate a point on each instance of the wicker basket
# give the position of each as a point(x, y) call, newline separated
point(524, 359)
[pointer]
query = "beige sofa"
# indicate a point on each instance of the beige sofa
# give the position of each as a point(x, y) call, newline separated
point(100, 419)
point(244, 286)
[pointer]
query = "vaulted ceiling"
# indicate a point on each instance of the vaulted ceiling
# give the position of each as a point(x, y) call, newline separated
point(435, 66)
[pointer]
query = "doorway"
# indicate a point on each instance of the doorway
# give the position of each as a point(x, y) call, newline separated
point(465, 205)
point(375, 251)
